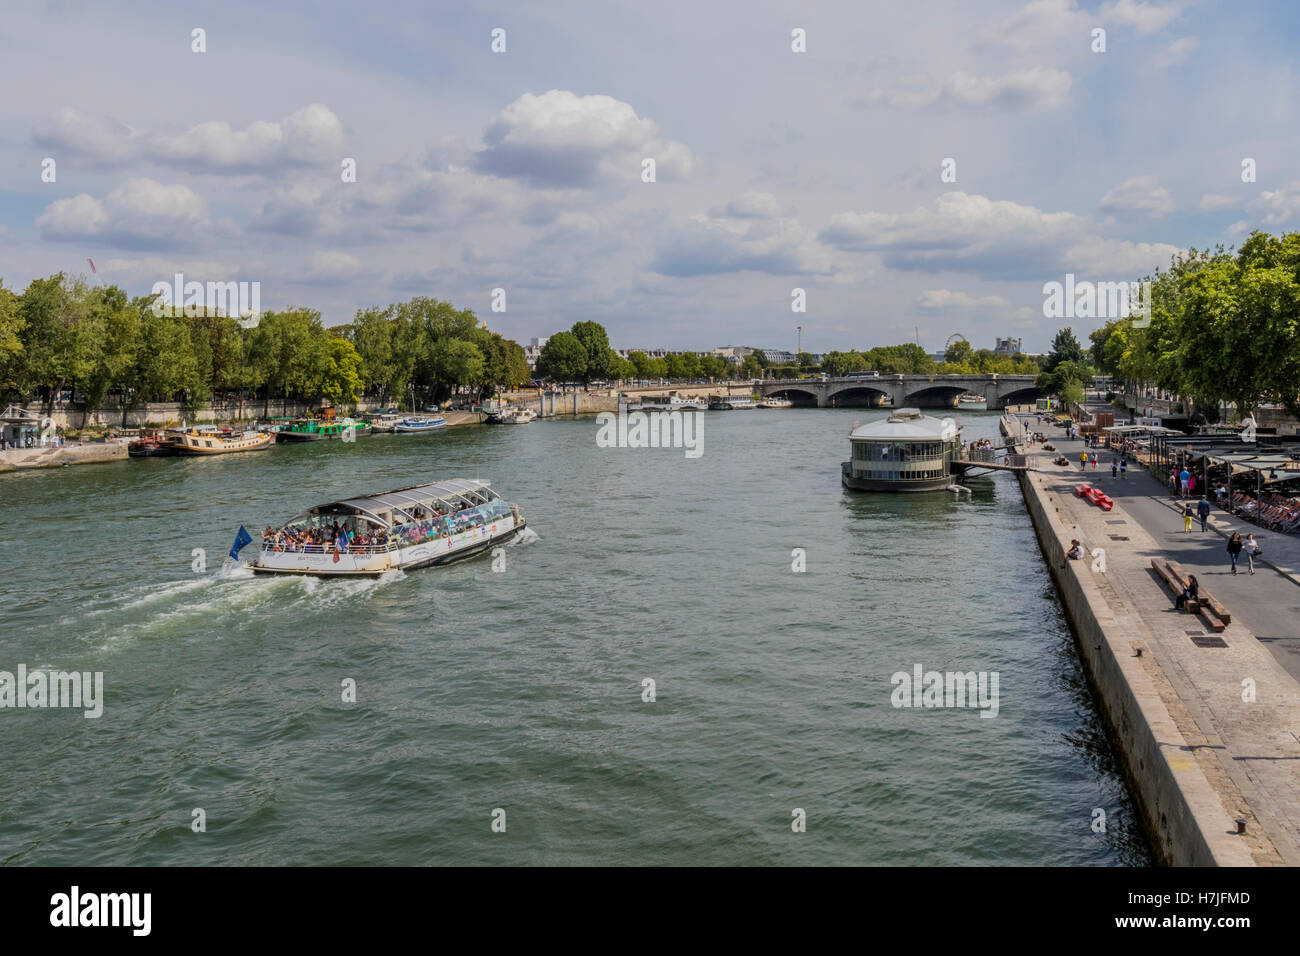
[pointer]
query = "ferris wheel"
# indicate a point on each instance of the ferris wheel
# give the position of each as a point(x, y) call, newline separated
point(953, 338)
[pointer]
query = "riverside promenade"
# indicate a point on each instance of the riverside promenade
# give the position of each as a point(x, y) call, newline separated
point(1209, 730)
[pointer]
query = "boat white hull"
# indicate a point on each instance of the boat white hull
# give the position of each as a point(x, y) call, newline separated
point(464, 544)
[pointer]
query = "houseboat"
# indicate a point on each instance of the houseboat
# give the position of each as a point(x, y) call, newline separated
point(419, 423)
point(153, 443)
point(221, 441)
point(314, 429)
point(727, 403)
point(908, 451)
point(407, 528)
point(384, 421)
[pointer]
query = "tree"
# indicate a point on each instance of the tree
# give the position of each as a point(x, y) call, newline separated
point(837, 364)
point(563, 358)
point(119, 324)
point(61, 334)
point(341, 382)
point(601, 358)
point(959, 353)
point(1065, 348)
point(11, 344)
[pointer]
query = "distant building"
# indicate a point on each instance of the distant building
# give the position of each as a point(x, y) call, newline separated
point(735, 354)
point(532, 350)
point(778, 356)
point(1007, 347)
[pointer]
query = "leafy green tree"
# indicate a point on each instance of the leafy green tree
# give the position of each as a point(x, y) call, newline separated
point(601, 358)
point(12, 324)
point(563, 359)
point(838, 364)
point(959, 353)
point(1065, 348)
point(341, 382)
point(61, 334)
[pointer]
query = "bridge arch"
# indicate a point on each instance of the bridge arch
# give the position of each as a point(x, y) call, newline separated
point(858, 395)
point(1020, 396)
point(936, 395)
point(802, 397)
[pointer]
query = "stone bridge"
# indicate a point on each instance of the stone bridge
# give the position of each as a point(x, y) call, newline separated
point(906, 391)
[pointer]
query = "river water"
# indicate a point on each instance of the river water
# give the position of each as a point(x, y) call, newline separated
point(522, 690)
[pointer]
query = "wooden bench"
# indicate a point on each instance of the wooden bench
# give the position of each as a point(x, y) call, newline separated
point(1207, 598)
point(1214, 614)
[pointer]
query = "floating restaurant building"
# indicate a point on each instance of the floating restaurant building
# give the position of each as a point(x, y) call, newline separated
point(908, 451)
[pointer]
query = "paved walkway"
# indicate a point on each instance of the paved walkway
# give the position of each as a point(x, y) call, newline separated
point(1248, 749)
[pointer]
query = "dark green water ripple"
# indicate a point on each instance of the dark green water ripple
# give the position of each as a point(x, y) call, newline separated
point(522, 690)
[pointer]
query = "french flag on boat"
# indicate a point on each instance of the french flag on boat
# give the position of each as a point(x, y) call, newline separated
point(241, 539)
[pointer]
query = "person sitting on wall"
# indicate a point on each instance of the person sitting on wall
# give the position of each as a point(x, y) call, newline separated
point(1074, 553)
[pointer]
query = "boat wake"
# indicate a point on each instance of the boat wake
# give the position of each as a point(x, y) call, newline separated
point(527, 536)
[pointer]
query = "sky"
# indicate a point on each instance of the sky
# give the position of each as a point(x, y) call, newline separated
point(795, 146)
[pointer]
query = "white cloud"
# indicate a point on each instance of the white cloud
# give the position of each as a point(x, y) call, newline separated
point(81, 134)
point(1138, 194)
point(1278, 206)
point(1032, 89)
point(1145, 18)
point(1042, 24)
point(310, 135)
point(1212, 202)
point(1176, 52)
point(959, 232)
point(946, 299)
point(710, 246)
point(139, 212)
point(751, 205)
point(562, 140)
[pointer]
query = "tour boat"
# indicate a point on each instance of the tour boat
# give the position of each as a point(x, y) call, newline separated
point(775, 402)
point(908, 451)
point(407, 528)
point(672, 402)
point(518, 416)
point(222, 441)
point(313, 429)
point(419, 424)
point(724, 403)
point(969, 399)
point(153, 444)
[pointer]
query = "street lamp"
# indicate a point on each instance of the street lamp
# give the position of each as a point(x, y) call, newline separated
point(798, 348)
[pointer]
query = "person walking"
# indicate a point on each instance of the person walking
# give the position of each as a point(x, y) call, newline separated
point(1252, 549)
point(1173, 483)
point(1123, 466)
point(1187, 518)
point(1234, 550)
point(1203, 509)
point(1182, 480)
point(1083, 460)
point(1094, 461)
point(1114, 466)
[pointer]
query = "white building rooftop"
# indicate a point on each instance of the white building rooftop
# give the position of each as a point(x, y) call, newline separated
point(907, 424)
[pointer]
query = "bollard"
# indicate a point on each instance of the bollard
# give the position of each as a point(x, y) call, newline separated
point(1241, 824)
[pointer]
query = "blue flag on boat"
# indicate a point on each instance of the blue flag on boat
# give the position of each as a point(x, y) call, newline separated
point(241, 539)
